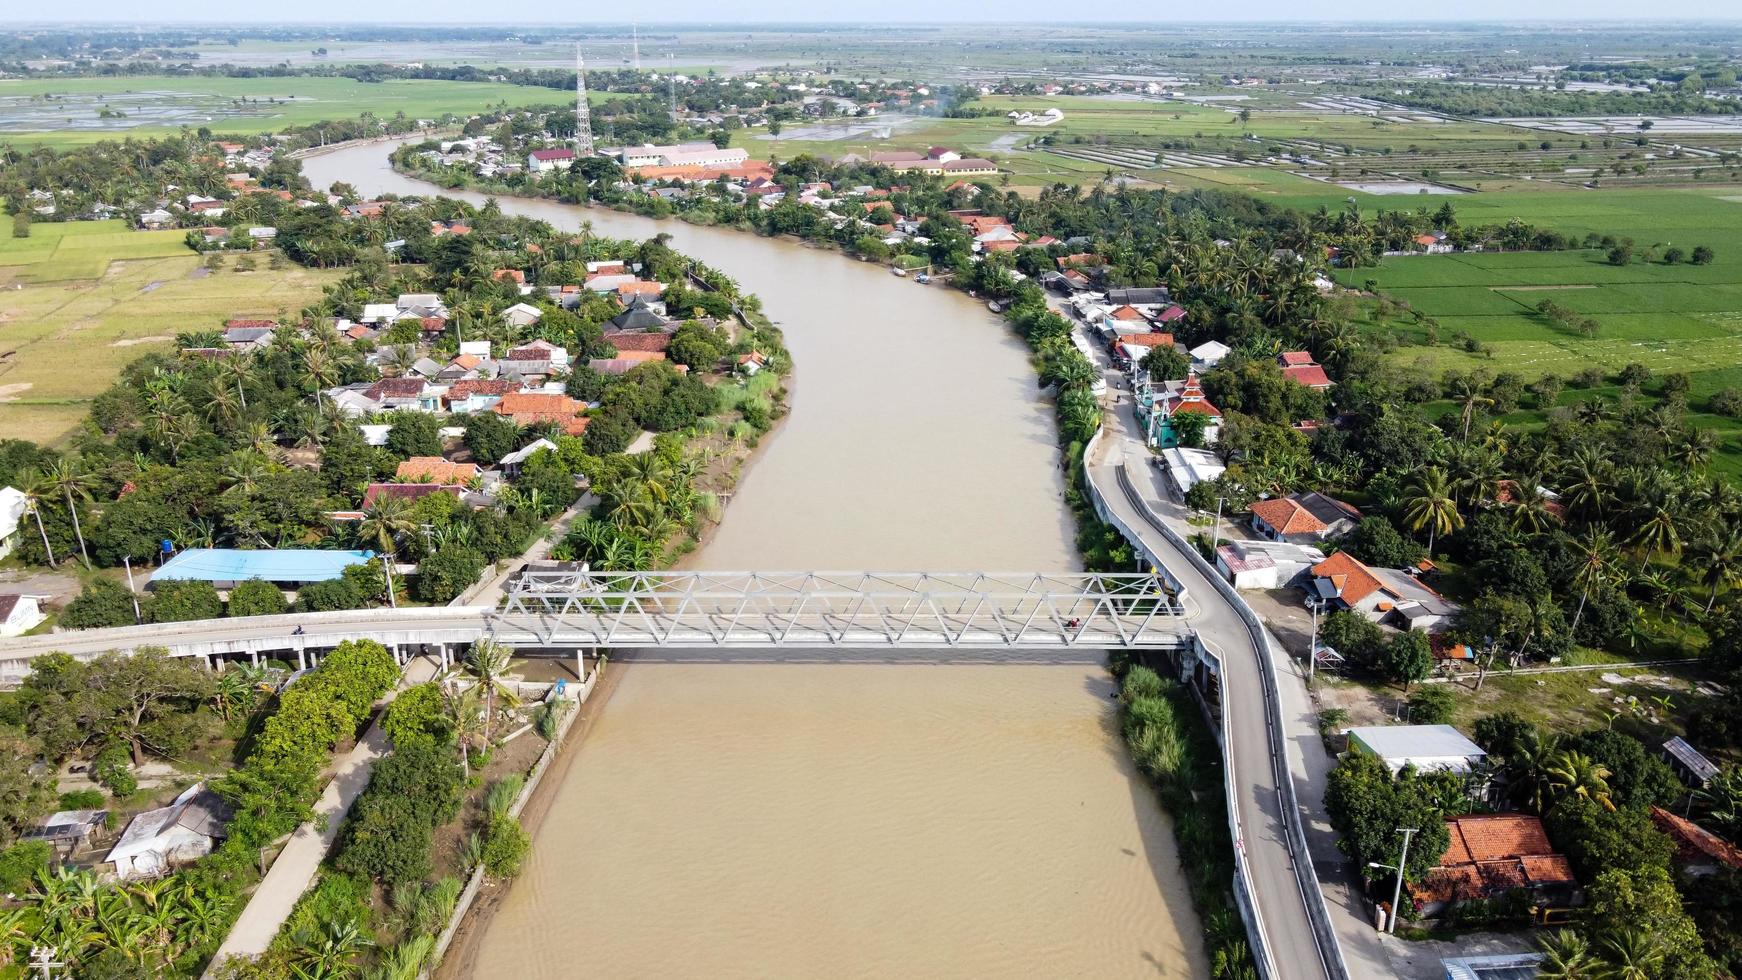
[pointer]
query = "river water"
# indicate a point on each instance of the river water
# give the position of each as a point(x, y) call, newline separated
point(816, 813)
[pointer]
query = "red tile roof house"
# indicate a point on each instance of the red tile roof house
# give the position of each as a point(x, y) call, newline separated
point(435, 469)
point(1492, 855)
point(412, 393)
point(1298, 366)
point(537, 408)
point(1698, 851)
point(1303, 518)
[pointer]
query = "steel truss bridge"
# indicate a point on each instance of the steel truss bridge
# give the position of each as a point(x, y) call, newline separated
point(848, 609)
point(576, 608)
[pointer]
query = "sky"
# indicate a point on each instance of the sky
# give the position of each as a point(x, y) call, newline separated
point(132, 12)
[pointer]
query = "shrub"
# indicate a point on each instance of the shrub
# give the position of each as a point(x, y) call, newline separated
point(182, 601)
point(447, 573)
point(101, 603)
point(1432, 706)
point(256, 598)
point(505, 847)
point(328, 596)
point(20, 863)
point(416, 717)
point(1141, 682)
point(82, 799)
point(387, 838)
point(1727, 402)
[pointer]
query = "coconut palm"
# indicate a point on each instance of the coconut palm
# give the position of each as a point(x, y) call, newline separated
point(66, 479)
point(1573, 773)
point(488, 661)
point(1632, 954)
point(1527, 770)
point(462, 708)
point(1597, 557)
point(1566, 955)
point(1717, 561)
point(386, 522)
point(35, 487)
point(1430, 505)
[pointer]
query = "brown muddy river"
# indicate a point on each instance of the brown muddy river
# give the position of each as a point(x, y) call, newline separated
point(815, 813)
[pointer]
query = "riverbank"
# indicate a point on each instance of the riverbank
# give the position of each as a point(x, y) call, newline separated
point(725, 817)
point(460, 958)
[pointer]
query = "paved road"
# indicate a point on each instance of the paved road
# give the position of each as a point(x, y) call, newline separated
point(301, 858)
point(1282, 896)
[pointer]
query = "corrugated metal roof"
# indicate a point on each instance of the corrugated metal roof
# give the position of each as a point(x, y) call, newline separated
point(280, 565)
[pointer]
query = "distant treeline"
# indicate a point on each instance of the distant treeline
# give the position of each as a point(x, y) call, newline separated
point(1493, 100)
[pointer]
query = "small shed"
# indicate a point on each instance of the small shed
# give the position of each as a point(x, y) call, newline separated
point(157, 841)
point(68, 830)
point(1693, 768)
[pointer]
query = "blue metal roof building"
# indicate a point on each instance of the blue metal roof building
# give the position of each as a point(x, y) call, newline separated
point(222, 566)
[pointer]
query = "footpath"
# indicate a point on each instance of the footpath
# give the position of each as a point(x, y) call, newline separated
point(301, 857)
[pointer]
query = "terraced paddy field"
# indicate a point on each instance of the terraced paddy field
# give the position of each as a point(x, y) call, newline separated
point(81, 300)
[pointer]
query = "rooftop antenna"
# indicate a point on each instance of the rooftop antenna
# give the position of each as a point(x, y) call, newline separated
point(583, 112)
point(635, 44)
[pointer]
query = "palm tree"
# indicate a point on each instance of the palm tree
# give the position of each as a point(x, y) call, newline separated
point(36, 490)
point(1566, 955)
point(462, 707)
point(1528, 770)
point(1597, 553)
point(1577, 774)
point(1659, 516)
point(1469, 394)
point(488, 661)
point(1430, 505)
point(65, 478)
point(386, 521)
point(1717, 560)
point(1633, 954)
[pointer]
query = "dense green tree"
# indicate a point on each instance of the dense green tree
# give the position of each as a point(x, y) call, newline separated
point(1367, 805)
point(414, 434)
point(102, 602)
point(178, 601)
point(1407, 657)
point(1596, 839)
point(418, 715)
point(256, 597)
point(328, 596)
point(490, 437)
point(450, 571)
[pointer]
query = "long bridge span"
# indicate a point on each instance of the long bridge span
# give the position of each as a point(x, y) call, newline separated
point(980, 612)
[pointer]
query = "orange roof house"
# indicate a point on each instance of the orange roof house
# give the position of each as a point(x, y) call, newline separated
point(509, 275)
point(1352, 580)
point(434, 469)
point(1128, 314)
point(1697, 850)
point(539, 407)
point(1287, 517)
point(1491, 854)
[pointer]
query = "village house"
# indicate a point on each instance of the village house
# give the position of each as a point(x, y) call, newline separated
point(1491, 855)
point(1264, 564)
point(158, 841)
point(435, 469)
point(1186, 468)
point(936, 161)
point(1303, 518)
point(1383, 595)
point(526, 408)
point(68, 831)
point(1425, 748)
point(522, 315)
point(512, 463)
point(406, 491)
point(536, 359)
point(1298, 366)
point(1698, 851)
point(470, 395)
point(1209, 354)
point(409, 393)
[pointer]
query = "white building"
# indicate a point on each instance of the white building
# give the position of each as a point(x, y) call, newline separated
point(1186, 468)
point(1208, 354)
point(678, 155)
point(1426, 747)
point(13, 506)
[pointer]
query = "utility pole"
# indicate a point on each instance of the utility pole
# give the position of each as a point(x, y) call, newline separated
point(1313, 644)
point(583, 112)
point(132, 591)
point(1402, 862)
point(1216, 539)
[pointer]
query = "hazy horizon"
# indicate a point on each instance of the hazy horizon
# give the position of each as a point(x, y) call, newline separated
point(694, 13)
